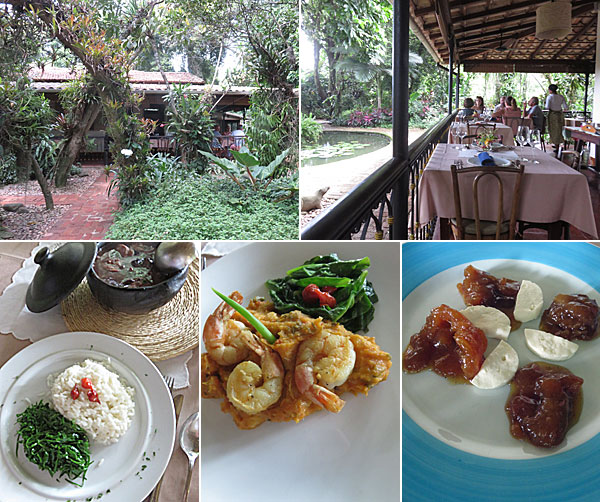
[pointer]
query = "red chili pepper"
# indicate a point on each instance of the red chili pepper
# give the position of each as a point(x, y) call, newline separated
point(86, 383)
point(93, 396)
point(312, 295)
point(75, 392)
point(329, 289)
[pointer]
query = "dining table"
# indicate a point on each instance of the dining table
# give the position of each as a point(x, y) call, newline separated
point(581, 137)
point(552, 193)
point(503, 131)
point(12, 256)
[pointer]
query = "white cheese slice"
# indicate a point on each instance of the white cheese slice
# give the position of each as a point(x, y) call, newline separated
point(498, 369)
point(530, 301)
point(549, 346)
point(493, 322)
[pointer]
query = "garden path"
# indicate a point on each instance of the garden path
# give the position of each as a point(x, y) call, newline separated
point(89, 217)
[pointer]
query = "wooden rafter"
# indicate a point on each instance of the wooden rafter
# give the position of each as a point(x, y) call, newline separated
point(576, 35)
point(423, 11)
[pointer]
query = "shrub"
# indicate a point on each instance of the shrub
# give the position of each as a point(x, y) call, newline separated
point(191, 125)
point(311, 130)
point(209, 208)
point(365, 118)
point(8, 169)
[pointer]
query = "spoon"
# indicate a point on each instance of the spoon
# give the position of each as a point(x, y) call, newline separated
point(174, 256)
point(189, 440)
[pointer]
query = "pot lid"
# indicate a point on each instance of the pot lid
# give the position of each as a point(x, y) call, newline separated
point(59, 274)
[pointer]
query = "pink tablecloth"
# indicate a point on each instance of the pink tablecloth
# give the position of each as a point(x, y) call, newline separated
point(504, 131)
point(551, 191)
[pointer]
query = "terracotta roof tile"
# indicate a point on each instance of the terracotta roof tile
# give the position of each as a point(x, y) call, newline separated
point(53, 74)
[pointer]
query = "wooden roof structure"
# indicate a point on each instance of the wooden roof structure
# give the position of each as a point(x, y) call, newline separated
point(498, 36)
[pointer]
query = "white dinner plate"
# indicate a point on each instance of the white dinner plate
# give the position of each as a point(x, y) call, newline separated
point(353, 455)
point(457, 436)
point(498, 161)
point(124, 471)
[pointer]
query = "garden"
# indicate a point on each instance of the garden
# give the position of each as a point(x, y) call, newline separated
point(82, 142)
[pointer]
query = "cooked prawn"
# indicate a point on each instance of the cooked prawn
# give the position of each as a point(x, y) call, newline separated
point(324, 361)
point(252, 388)
point(222, 334)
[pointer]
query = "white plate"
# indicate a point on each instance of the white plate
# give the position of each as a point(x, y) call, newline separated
point(132, 466)
point(353, 455)
point(427, 397)
point(498, 161)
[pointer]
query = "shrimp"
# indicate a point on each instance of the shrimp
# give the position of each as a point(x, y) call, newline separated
point(222, 335)
point(329, 360)
point(252, 388)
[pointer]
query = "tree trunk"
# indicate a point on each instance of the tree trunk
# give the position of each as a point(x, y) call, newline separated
point(317, 77)
point(43, 183)
point(23, 165)
point(378, 82)
point(68, 153)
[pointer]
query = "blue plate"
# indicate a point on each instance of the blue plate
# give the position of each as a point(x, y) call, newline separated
point(432, 470)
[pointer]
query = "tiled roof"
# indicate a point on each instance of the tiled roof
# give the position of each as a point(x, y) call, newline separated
point(53, 74)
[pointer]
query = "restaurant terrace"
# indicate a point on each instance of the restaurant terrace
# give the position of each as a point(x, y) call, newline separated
point(414, 194)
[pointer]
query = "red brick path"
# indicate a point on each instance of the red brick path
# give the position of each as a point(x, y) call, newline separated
point(88, 218)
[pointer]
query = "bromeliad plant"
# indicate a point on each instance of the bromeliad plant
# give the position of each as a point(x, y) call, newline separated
point(246, 168)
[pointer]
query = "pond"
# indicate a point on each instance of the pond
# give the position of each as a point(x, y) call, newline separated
point(341, 145)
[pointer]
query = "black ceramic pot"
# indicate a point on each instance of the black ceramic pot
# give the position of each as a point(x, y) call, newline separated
point(135, 300)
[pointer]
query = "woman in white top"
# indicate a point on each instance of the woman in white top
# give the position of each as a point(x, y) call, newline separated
point(555, 103)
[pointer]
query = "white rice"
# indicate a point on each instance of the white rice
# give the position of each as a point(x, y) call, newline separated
point(104, 422)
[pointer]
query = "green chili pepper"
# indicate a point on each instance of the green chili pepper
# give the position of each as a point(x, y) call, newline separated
point(260, 327)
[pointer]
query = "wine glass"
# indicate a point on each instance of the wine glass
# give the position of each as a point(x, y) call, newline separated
point(536, 139)
point(523, 137)
point(462, 131)
point(454, 133)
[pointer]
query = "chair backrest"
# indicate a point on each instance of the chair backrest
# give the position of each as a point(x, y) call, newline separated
point(512, 122)
point(495, 173)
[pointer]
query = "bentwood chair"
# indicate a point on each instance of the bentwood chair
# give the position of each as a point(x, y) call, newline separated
point(467, 228)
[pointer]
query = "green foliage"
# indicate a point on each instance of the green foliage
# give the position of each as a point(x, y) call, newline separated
point(164, 168)
point(311, 129)
point(273, 125)
point(209, 208)
point(26, 114)
point(8, 169)
point(191, 124)
point(246, 170)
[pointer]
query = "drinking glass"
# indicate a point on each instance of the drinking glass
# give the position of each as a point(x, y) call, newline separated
point(522, 138)
point(536, 139)
point(454, 133)
point(462, 130)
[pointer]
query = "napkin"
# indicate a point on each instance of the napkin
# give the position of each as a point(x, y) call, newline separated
point(16, 318)
point(485, 159)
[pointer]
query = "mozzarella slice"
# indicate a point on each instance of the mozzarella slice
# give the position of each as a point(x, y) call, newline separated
point(498, 369)
point(530, 300)
point(549, 346)
point(493, 322)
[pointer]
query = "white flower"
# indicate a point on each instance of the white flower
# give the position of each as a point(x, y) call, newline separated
point(126, 152)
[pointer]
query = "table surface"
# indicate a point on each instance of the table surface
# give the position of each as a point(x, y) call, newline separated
point(12, 255)
point(578, 133)
point(550, 191)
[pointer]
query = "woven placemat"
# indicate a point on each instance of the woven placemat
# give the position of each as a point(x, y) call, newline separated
point(161, 334)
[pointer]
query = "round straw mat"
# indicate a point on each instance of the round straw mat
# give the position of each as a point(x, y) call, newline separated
point(161, 334)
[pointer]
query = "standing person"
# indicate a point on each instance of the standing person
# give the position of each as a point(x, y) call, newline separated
point(534, 112)
point(555, 103)
point(479, 106)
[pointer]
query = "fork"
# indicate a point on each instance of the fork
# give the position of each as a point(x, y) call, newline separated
point(170, 381)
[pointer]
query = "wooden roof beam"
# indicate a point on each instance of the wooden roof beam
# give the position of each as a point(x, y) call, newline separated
point(455, 4)
point(508, 32)
point(577, 4)
point(576, 35)
point(538, 49)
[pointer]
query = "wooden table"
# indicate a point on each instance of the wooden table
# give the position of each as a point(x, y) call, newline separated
point(12, 255)
point(551, 192)
point(580, 136)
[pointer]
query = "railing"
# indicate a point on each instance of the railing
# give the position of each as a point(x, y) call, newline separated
point(378, 203)
point(419, 154)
